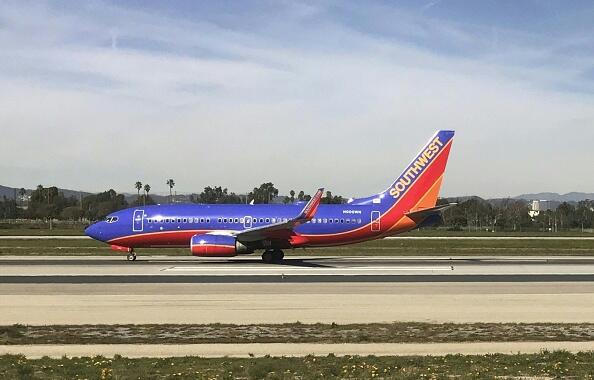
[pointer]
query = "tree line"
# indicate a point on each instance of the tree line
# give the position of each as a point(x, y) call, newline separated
point(50, 202)
point(513, 215)
point(473, 213)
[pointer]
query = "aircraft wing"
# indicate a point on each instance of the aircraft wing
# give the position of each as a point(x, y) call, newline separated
point(282, 229)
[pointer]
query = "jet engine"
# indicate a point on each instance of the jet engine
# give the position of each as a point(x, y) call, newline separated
point(209, 245)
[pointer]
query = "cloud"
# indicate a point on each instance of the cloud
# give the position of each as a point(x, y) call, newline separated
point(99, 96)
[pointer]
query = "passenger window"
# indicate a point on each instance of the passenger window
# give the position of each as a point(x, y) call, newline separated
point(261, 220)
point(207, 220)
point(240, 220)
point(220, 220)
point(335, 220)
point(341, 220)
point(224, 220)
point(348, 221)
point(190, 220)
point(236, 220)
point(201, 220)
point(359, 221)
point(329, 220)
point(325, 220)
point(185, 220)
point(267, 220)
point(313, 220)
point(273, 220)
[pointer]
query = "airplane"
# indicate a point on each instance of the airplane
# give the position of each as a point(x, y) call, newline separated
point(227, 230)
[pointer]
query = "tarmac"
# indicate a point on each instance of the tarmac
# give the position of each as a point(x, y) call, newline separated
point(95, 290)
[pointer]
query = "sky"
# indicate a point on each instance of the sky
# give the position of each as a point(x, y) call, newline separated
point(341, 94)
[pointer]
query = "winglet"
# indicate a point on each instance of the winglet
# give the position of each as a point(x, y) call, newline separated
point(312, 206)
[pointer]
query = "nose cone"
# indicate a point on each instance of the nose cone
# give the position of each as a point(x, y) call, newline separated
point(94, 231)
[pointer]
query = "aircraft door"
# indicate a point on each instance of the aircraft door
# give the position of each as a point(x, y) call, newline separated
point(375, 221)
point(247, 222)
point(137, 220)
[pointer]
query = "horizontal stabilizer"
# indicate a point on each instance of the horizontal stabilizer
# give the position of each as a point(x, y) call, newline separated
point(424, 213)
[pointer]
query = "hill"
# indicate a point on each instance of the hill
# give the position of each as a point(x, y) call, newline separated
point(569, 197)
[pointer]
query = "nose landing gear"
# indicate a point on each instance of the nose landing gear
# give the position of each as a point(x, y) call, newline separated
point(131, 256)
point(273, 256)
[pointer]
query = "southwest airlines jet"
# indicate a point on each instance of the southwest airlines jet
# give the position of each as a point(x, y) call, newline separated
point(224, 230)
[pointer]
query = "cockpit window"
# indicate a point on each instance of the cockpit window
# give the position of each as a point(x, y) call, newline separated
point(111, 219)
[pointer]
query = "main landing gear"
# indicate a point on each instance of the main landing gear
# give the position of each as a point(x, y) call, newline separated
point(273, 256)
point(131, 256)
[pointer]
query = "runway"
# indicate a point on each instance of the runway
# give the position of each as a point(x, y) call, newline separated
point(92, 290)
point(306, 269)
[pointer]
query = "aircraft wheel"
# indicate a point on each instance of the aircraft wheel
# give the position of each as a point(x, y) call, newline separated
point(278, 256)
point(131, 256)
point(268, 257)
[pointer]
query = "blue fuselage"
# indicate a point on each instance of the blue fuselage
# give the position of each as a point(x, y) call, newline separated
point(173, 225)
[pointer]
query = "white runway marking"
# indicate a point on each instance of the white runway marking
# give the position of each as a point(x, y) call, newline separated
point(274, 269)
point(301, 271)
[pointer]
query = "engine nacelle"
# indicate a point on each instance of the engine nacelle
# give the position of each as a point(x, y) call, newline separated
point(208, 245)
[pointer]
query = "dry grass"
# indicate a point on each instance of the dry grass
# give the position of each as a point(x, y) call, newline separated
point(402, 332)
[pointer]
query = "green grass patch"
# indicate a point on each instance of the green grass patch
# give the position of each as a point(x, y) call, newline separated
point(41, 231)
point(385, 247)
point(400, 332)
point(430, 247)
point(545, 365)
point(436, 232)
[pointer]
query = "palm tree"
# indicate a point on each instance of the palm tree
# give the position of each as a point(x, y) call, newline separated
point(147, 188)
point(170, 183)
point(138, 186)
